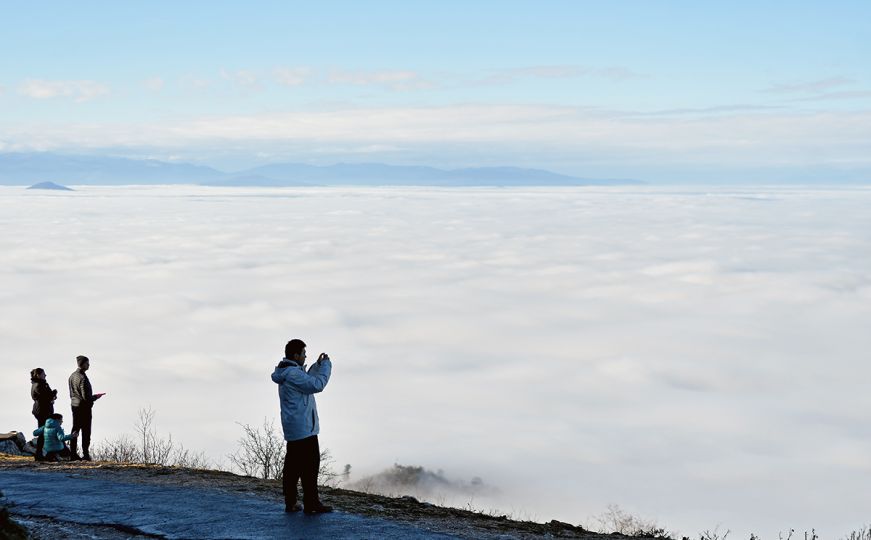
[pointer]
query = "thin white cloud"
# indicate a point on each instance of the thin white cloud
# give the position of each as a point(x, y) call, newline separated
point(243, 78)
point(400, 80)
point(194, 83)
point(832, 96)
point(410, 80)
point(506, 76)
point(79, 90)
point(813, 87)
point(154, 84)
point(292, 76)
point(716, 110)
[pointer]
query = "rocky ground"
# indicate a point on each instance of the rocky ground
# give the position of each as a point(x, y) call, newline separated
point(441, 520)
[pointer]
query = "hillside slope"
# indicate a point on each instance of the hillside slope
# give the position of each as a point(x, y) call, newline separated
point(165, 502)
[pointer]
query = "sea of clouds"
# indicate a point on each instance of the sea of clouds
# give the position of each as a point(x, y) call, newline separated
point(699, 356)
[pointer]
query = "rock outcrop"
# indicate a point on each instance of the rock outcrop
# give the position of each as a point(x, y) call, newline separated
point(16, 444)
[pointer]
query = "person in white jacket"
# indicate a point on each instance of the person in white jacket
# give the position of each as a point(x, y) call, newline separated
point(299, 421)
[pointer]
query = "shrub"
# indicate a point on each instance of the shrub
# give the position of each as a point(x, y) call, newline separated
point(261, 454)
point(147, 446)
point(261, 451)
point(616, 520)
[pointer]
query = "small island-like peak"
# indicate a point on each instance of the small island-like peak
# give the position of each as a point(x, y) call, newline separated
point(50, 185)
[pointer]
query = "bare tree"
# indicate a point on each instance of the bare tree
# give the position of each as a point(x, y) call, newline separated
point(261, 454)
point(616, 520)
point(189, 459)
point(153, 448)
point(326, 475)
point(149, 447)
point(121, 449)
point(261, 451)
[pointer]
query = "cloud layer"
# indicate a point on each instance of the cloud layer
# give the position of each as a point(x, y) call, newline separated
point(694, 356)
point(79, 90)
point(573, 118)
point(571, 139)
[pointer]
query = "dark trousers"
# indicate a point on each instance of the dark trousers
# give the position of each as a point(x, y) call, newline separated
point(302, 461)
point(81, 423)
point(40, 422)
point(57, 454)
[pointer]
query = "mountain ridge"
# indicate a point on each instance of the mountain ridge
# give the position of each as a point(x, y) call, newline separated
point(29, 168)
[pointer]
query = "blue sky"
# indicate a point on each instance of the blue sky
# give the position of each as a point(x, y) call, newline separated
point(656, 90)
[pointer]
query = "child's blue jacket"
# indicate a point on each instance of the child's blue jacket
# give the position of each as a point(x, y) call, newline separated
point(54, 436)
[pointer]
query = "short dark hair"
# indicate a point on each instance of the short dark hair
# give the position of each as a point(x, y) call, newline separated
point(57, 416)
point(34, 372)
point(81, 359)
point(294, 346)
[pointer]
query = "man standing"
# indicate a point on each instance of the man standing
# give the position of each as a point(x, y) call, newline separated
point(299, 420)
point(82, 398)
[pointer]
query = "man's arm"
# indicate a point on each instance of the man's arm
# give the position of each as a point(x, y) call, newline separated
point(37, 393)
point(314, 381)
point(87, 391)
point(316, 367)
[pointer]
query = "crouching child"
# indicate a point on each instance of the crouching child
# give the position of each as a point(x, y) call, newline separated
point(55, 439)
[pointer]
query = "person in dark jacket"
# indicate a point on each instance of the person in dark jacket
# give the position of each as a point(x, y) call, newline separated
point(43, 404)
point(299, 421)
point(82, 399)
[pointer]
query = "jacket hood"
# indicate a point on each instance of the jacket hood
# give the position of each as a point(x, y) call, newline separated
point(51, 423)
point(281, 370)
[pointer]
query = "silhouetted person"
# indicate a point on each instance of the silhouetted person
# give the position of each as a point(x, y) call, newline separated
point(43, 404)
point(299, 420)
point(82, 399)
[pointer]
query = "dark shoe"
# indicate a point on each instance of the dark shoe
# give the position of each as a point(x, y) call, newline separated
point(86, 457)
point(295, 507)
point(38, 458)
point(75, 457)
point(319, 509)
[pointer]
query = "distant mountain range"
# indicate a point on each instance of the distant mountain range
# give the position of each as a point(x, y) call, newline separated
point(28, 168)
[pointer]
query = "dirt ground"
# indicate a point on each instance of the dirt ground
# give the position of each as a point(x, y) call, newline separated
point(461, 523)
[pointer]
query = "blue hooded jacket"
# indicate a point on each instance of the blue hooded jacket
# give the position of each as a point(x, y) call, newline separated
point(54, 436)
point(296, 389)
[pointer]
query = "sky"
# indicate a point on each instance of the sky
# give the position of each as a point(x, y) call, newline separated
point(697, 356)
point(672, 91)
